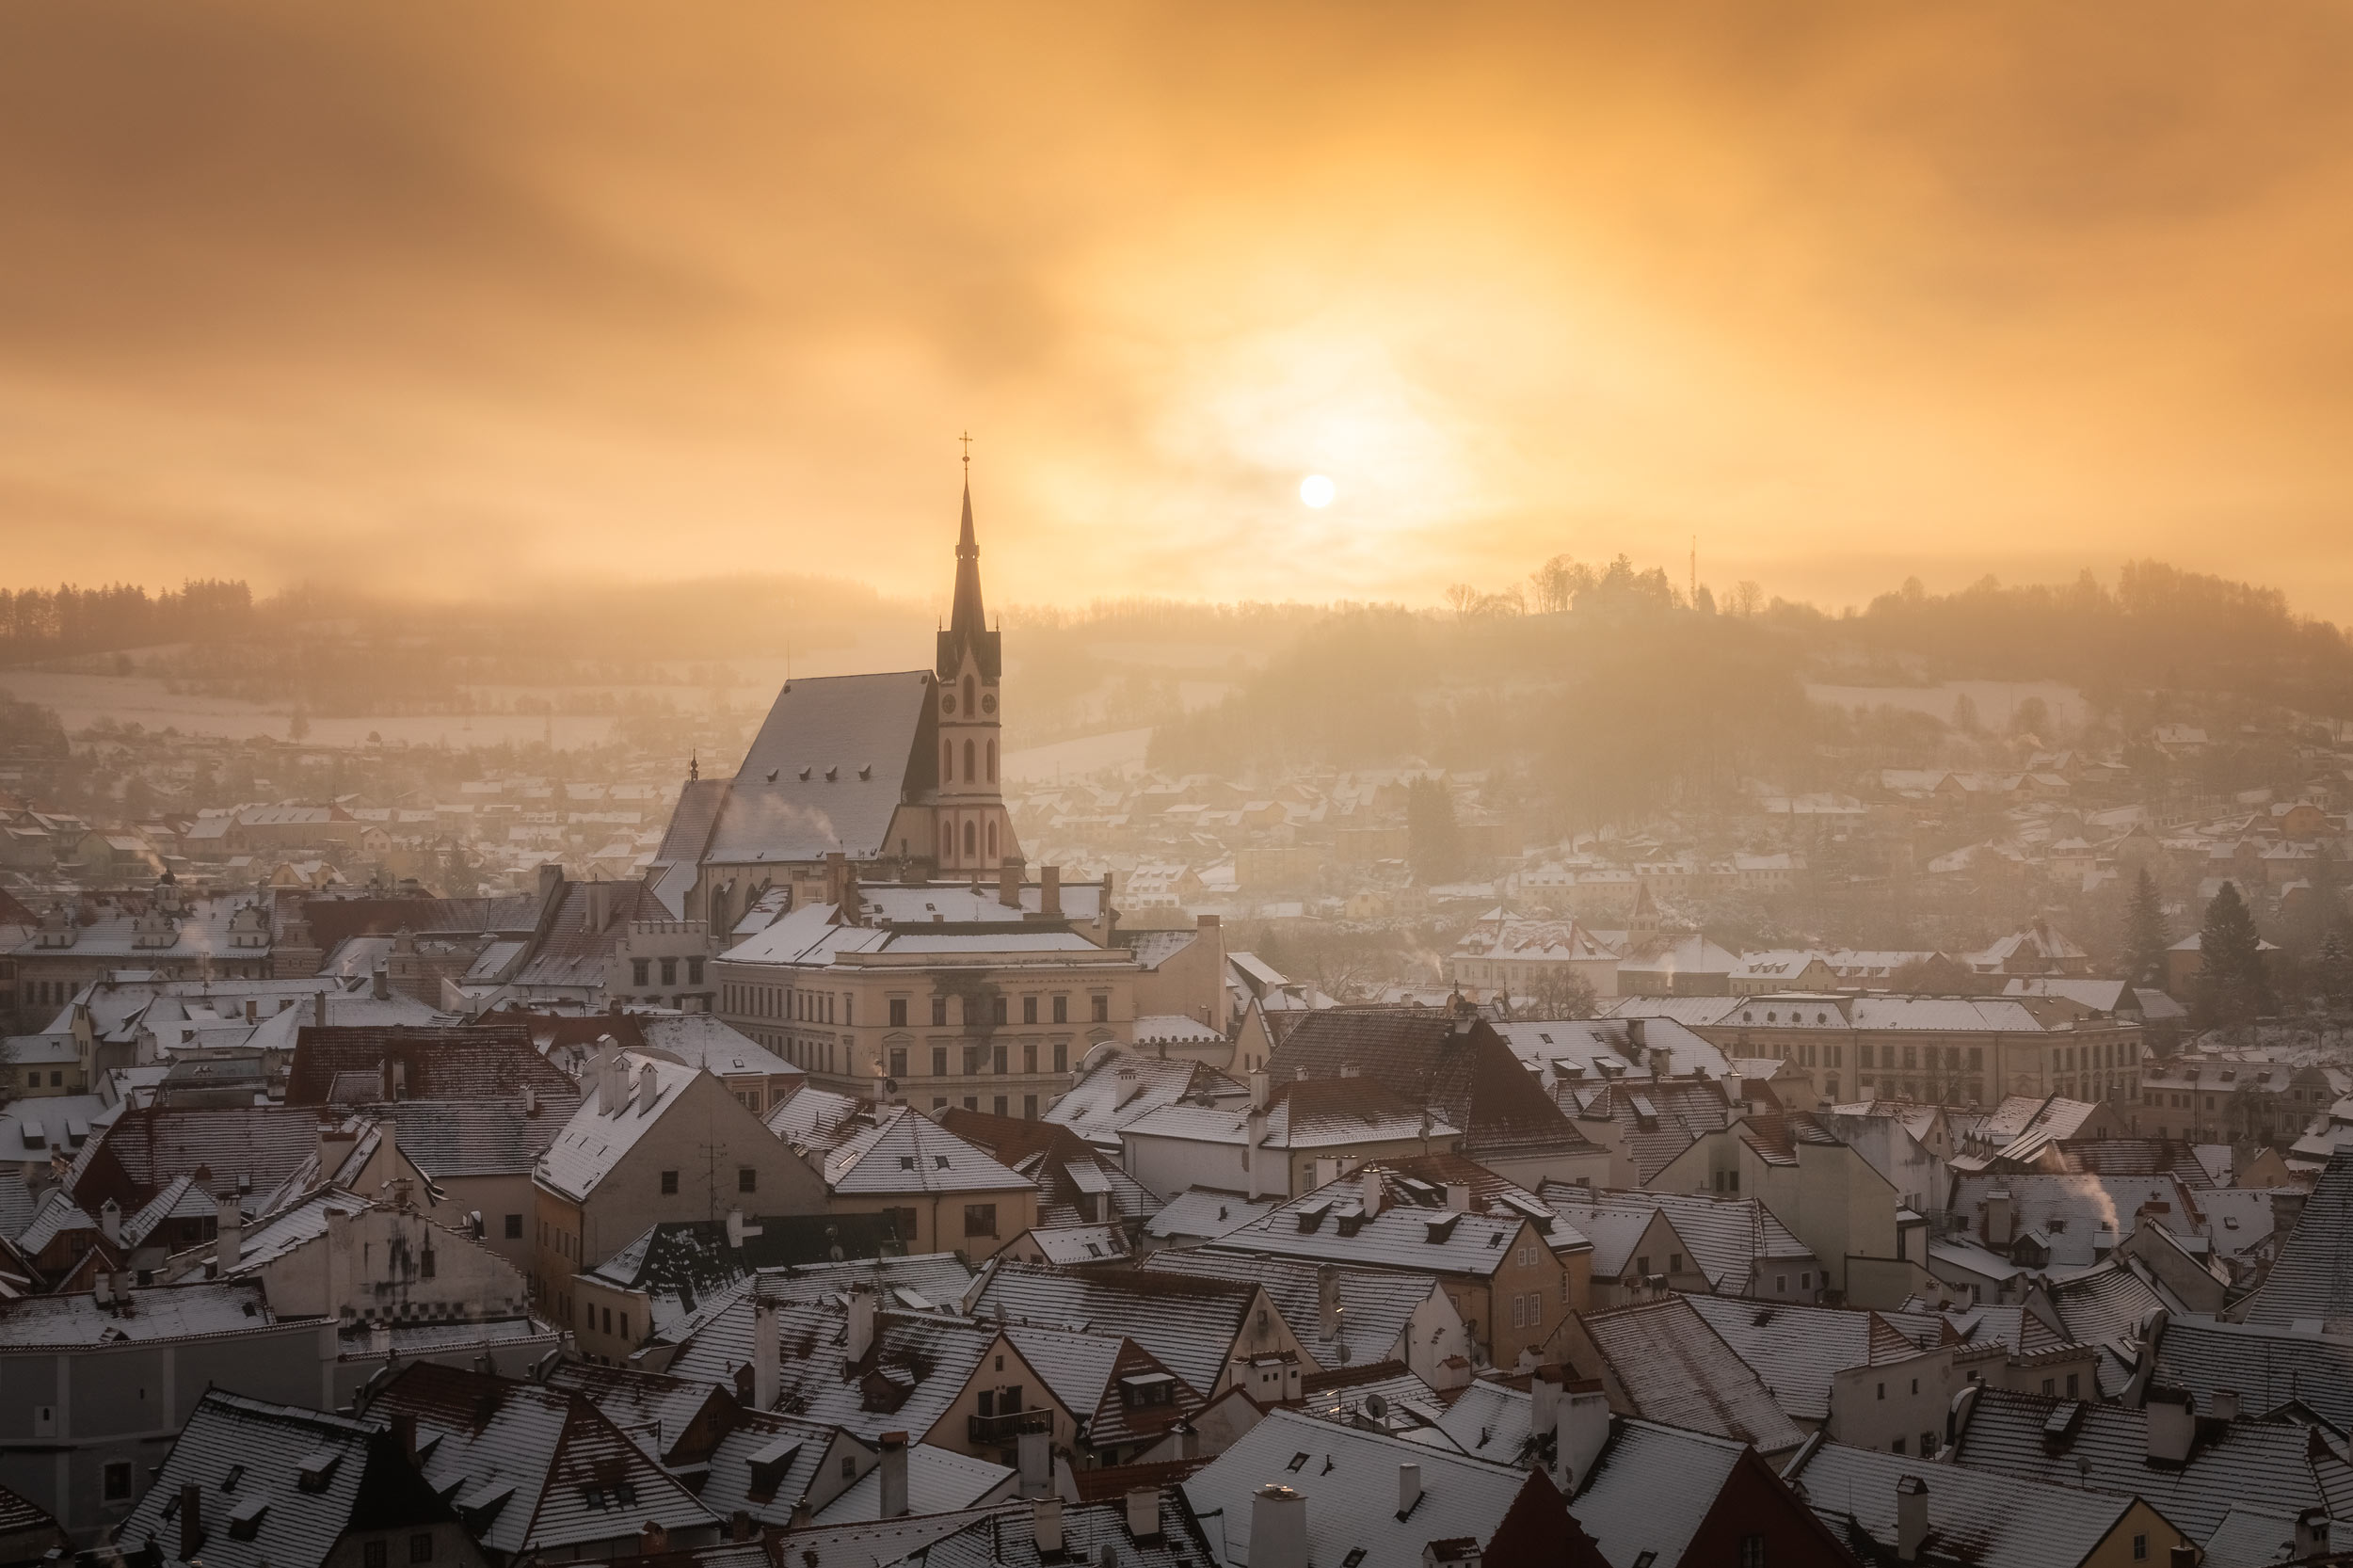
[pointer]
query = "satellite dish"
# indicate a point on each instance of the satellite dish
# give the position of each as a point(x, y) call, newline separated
point(1375, 1406)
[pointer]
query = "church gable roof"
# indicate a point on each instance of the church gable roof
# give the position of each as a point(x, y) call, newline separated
point(834, 759)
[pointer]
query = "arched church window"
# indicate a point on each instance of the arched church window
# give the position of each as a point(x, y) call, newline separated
point(992, 839)
point(971, 773)
point(970, 688)
point(972, 840)
point(992, 762)
point(947, 840)
point(947, 761)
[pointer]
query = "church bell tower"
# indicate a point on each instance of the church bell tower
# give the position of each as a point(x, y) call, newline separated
point(974, 834)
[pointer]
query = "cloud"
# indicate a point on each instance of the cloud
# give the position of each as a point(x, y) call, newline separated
point(463, 300)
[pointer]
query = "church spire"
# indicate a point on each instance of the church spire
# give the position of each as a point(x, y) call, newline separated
point(968, 622)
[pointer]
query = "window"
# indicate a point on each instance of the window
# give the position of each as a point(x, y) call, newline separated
point(1752, 1551)
point(2141, 1548)
point(118, 1481)
point(669, 1183)
point(997, 1010)
point(1061, 1057)
point(746, 1180)
point(669, 971)
point(898, 1061)
point(1029, 1108)
point(992, 763)
point(997, 1061)
point(939, 1011)
point(1535, 1309)
point(693, 971)
point(939, 1061)
point(998, 1105)
point(980, 1219)
point(2072, 1379)
point(972, 840)
point(1674, 1263)
point(1896, 1447)
point(641, 973)
point(1029, 1057)
point(1062, 1010)
point(1927, 1445)
point(421, 1548)
point(1028, 1010)
point(424, 1263)
point(373, 1554)
point(898, 1012)
point(1641, 1264)
point(1102, 1008)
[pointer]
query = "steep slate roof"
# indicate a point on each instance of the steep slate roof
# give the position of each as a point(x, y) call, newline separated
point(911, 1377)
point(476, 1061)
point(593, 1141)
point(905, 1151)
point(1652, 1489)
point(1208, 1212)
point(1378, 1303)
point(1656, 1122)
point(2270, 1469)
point(683, 1264)
point(1313, 1113)
point(1462, 1071)
point(1349, 1480)
point(1974, 1516)
point(843, 724)
point(2268, 1367)
point(1728, 1237)
point(533, 1467)
point(1191, 1324)
point(1061, 1162)
point(1677, 1370)
point(2071, 1209)
point(1082, 1371)
point(701, 1040)
point(143, 1148)
point(1329, 1226)
point(2312, 1277)
point(463, 1138)
point(1100, 1103)
point(570, 946)
point(1795, 1351)
point(1006, 1538)
point(250, 1460)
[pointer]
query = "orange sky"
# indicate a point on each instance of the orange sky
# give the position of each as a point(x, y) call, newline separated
point(457, 299)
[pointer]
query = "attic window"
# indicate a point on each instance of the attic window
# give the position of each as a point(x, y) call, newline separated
point(318, 1469)
point(246, 1522)
point(906, 1162)
point(1299, 1462)
point(228, 1482)
point(940, 1160)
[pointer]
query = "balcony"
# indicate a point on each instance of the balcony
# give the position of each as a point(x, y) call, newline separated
point(1001, 1430)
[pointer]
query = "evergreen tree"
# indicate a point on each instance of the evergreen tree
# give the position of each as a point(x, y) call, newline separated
point(2336, 966)
point(2146, 936)
point(2232, 986)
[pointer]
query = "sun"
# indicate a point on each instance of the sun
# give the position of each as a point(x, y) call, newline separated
point(1317, 491)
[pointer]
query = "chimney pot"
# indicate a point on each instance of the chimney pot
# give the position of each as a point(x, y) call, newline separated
point(1408, 1487)
point(1278, 1527)
point(894, 1475)
point(191, 1520)
point(767, 1364)
point(1143, 1513)
point(1049, 891)
point(1911, 1517)
point(1045, 1523)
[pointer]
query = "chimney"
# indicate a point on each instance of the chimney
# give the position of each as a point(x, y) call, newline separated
point(735, 1230)
point(1635, 1040)
point(1009, 884)
point(380, 1338)
point(405, 1434)
point(2311, 1533)
point(652, 1540)
point(649, 1087)
point(1408, 1487)
point(1278, 1527)
point(1911, 1517)
point(2173, 1424)
point(894, 1475)
point(1045, 1523)
point(1254, 1134)
point(837, 875)
point(1143, 1513)
point(1210, 934)
point(1544, 1398)
point(2182, 1556)
point(228, 1243)
point(110, 1220)
point(767, 1366)
point(380, 981)
point(2001, 1217)
point(1035, 1451)
point(1580, 1427)
point(1049, 891)
point(741, 1526)
point(191, 1520)
point(2223, 1404)
point(602, 1065)
point(1458, 1198)
point(318, 1008)
point(1259, 1089)
point(863, 1311)
point(1328, 1301)
point(1372, 1192)
point(550, 882)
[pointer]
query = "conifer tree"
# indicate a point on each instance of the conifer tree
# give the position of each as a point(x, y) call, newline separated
point(2146, 936)
point(2232, 986)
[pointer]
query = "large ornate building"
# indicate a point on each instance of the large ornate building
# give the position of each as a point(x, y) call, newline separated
point(897, 773)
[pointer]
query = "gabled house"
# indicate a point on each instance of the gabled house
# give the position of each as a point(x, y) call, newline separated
point(943, 1193)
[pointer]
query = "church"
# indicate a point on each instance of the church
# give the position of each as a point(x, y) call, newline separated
point(897, 773)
